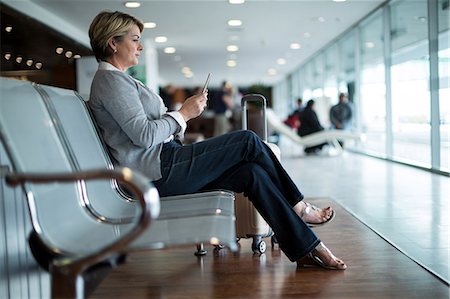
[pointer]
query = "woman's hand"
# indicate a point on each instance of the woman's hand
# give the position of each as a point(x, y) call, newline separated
point(194, 106)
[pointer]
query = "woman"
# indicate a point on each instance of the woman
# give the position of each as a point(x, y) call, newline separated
point(141, 134)
point(310, 124)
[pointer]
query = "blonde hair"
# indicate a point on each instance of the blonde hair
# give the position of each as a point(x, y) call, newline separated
point(109, 24)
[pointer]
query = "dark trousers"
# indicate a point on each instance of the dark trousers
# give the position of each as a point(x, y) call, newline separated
point(241, 162)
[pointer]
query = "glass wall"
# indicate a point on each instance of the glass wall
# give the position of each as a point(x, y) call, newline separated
point(372, 85)
point(444, 82)
point(384, 65)
point(409, 82)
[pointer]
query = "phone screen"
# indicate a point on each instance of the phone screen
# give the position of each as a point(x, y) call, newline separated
point(206, 83)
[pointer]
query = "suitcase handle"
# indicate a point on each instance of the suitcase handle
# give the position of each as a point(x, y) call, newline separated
point(254, 98)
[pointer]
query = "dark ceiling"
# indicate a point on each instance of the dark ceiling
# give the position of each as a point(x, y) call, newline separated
point(36, 43)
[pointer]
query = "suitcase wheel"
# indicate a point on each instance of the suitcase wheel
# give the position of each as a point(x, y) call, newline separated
point(258, 245)
point(273, 240)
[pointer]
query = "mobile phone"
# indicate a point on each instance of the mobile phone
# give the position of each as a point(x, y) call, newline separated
point(206, 83)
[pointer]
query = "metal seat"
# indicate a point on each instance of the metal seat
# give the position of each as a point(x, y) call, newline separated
point(78, 213)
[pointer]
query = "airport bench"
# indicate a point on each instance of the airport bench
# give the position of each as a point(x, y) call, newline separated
point(83, 224)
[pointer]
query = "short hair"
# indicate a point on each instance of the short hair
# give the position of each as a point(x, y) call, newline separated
point(310, 103)
point(109, 24)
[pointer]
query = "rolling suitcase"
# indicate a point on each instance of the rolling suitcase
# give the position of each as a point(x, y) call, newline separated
point(249, 223)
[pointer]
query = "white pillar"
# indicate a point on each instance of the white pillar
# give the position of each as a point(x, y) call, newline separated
point(151, 65)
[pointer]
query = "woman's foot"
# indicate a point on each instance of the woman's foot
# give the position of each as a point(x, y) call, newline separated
point(322, 256)
point(312, 215)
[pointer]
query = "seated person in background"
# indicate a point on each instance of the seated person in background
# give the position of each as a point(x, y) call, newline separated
point(310, 124)
point(142, 135)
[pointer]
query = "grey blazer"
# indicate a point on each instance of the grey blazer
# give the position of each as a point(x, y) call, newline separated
point(132, 121)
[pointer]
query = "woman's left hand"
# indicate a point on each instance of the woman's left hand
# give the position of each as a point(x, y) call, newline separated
point(194, 106)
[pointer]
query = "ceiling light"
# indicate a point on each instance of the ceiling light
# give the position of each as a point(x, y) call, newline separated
point(231, 63)
point(234, 23)
point(7, 56)
point(160, 39)
point(132, 4)
point(29, 62)
point(77, 56)
point(59, 50)
point(69, 54)
point(295, 46)
point(149, 25)
point(370, 45)
point(169, 50)
point(236, 1)
point(38, 65)
point(339, 0)
point(272, 72)
point(186, 70)
point(232, 48)
point(189, 75)
point(19, 59)
point(281, 61)
point(8, 28)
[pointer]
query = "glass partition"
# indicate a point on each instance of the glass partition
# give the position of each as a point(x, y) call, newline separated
point(373, 88)
point(444, 82)
point(410, 83)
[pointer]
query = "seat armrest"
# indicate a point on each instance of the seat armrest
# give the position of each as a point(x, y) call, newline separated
point(146, 193)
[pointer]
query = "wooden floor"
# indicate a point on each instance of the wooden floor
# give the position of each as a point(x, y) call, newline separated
point(375, 270)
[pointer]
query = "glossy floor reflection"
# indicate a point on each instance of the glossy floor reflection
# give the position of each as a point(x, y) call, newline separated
point(408, 207)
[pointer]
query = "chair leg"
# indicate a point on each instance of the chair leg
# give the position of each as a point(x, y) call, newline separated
point(200, 250)
point(65, 284)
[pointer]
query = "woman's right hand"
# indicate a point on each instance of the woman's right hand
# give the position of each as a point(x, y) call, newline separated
point(194, 106)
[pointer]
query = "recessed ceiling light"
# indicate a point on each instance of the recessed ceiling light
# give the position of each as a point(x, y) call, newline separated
point(236, 1)
point(339, 0)
point(232, 48)
point(29, 62)
point(234, 23)
point(272, 72)
point(185, 70)
point(231, 63)
point(8, 28)
point(132, 4)
point(149, 25)
point(69, 54)
point(160, 39)
point(370, 45)
point(189, 75)
point(38, 65)
point(7, 56)
point(59, 50)
point(169, 50)
point(77, 56)
point(281, 61)
point(19, 59)
point(295, 46)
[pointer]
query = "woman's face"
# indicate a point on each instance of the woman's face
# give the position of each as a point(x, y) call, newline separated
point(128, 49)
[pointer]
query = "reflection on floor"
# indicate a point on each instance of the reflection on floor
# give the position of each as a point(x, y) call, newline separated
point(408, 207)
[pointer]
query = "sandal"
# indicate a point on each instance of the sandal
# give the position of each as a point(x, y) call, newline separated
point(312, 208)
point(313, 259)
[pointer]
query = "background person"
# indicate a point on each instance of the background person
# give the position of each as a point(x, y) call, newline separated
point(309, 123)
